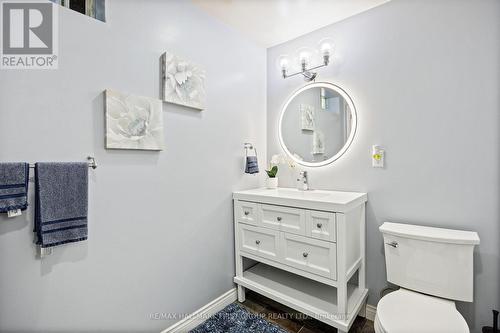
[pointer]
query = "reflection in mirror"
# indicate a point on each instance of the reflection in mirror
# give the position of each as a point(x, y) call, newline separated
point(317, 124)
point(92, 8)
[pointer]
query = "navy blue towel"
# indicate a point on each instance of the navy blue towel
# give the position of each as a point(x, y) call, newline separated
point(14, 178)
point(61, 201)
point(252, 166)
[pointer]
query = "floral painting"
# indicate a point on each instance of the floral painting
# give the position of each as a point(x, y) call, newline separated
point(307, 117)
point(133, 122)
point(183, 82)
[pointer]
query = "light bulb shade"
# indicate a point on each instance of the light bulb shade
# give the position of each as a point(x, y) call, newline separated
point(326, 46)
point(283, 62)
point(304, 57)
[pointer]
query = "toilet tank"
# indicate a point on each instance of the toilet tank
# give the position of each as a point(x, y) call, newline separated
point(433, 261)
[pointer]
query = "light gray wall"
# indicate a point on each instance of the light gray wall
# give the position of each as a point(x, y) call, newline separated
point(424, 77)
point(161, 234)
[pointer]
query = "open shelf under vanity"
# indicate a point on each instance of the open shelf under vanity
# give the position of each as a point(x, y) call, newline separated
point(312, 298)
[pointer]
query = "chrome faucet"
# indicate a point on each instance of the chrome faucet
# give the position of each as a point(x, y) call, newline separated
point(303, 181)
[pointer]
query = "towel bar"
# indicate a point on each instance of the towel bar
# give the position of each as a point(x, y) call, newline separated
point(92, 163)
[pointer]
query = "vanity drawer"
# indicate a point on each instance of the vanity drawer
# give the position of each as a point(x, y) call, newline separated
point(246, 212)
point(283, 218)
point(321, 225)
point(314, 256)
point(259, 241)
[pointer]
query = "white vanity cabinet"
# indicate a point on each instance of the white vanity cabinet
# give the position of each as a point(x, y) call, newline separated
point(308, 245)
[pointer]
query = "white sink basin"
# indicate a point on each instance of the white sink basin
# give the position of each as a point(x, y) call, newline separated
point(315, 199)
point(294, 193)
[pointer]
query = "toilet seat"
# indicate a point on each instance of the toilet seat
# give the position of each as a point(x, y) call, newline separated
point(405, 311)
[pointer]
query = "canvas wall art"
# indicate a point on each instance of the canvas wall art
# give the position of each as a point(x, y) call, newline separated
point(307, 117)
point(183, 82)
point(133, 122)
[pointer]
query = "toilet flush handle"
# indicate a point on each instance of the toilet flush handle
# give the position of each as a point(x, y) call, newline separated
point(393, 244)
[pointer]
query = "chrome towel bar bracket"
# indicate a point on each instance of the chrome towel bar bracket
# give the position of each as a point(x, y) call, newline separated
point(91, 161)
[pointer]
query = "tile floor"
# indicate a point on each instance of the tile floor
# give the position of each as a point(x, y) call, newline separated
point(296, 322)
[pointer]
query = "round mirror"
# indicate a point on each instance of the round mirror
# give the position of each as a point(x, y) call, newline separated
point(317, 124)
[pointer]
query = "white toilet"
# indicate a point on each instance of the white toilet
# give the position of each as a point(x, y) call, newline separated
point(433, 267)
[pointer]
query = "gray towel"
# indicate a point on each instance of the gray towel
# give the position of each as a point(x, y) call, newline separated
point(61, 199)
point(13, 186)
point(252, 166)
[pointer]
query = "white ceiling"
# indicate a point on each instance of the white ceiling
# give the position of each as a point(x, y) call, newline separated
point(271, 22)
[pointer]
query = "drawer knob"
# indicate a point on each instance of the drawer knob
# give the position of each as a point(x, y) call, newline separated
point(279, 218)
point(319, 225)
point(257, 242)
point(305, 254)
point(246, 213)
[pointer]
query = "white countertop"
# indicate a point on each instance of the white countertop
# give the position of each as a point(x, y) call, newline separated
point(337, 201)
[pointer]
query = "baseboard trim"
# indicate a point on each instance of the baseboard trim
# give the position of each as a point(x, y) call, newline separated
point(202, 314)
point(370, 312)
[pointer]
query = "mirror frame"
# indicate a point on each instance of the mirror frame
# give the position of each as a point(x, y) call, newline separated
point(354, 125)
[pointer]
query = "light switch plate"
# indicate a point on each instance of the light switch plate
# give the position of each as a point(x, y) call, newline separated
point(378, 156)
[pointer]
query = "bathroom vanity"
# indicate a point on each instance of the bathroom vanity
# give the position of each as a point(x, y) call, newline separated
point(309, 250)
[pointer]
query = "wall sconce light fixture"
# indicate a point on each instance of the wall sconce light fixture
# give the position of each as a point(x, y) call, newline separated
point(305, 60)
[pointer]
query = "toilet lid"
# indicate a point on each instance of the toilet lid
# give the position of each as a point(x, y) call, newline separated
point(406, 311)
